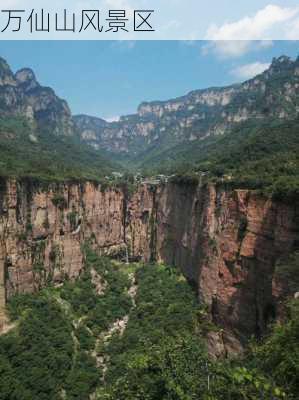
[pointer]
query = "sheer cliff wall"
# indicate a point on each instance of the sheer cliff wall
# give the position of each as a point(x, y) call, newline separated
point(226, 242)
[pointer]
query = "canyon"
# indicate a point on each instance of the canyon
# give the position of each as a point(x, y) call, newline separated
point(226, 242)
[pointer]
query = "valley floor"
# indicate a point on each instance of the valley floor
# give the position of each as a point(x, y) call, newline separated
point(132, 331)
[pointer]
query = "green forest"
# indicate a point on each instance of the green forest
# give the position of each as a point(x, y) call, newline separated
point(46, 156)
point(135, 331)
point(260, 156)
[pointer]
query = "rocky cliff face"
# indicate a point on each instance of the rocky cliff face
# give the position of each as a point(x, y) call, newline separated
point(42, 229)
point(90, 128)
point(22, 96)
point(226, 242)
point(198, 115)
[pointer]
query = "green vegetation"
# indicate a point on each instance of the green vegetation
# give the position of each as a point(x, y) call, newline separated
point(59, 201)
point(287, 271)
point(36, 358)
point(25, 153)
point(253, 155)
point(263, 157)
point(279, 353)
point(185, 179)
point(67, 344)
point(99, 311)
point(73, 218)
point(126, 184)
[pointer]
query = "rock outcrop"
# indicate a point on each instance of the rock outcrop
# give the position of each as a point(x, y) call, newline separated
point(226, 242)
point(22, 96)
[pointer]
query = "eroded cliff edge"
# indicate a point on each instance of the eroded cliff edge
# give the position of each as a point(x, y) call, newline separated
point(227, 242)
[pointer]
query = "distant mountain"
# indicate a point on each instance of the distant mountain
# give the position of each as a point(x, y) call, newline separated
point(37, 136)
point(162, 126)
point(89, 129)
point(203, 130)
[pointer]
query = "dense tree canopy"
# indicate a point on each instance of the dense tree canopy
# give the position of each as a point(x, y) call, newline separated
point(61, 346)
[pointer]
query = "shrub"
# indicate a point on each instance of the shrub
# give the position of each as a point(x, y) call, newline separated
point(59, 201)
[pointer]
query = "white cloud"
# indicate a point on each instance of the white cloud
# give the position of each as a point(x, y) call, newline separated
point(293, 32)
point(260, 25)
point(234, 39)
point(227, 48)
point(248, 71)
point(234, 48)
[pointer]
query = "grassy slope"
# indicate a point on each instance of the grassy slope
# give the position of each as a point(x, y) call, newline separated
point(50, 157)
point(263, 155)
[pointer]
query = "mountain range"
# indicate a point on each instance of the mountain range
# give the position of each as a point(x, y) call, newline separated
point(163, 136)
point(159, 130)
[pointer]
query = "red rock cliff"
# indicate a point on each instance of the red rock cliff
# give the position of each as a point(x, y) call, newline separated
point(226, 242)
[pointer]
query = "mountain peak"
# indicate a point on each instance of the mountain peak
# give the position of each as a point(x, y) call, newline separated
point(281, 61)
point(26, 78)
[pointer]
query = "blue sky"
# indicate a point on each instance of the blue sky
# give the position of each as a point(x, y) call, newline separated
point(109, 79)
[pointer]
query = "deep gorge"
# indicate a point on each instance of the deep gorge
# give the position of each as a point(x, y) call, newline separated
point(226, 242)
